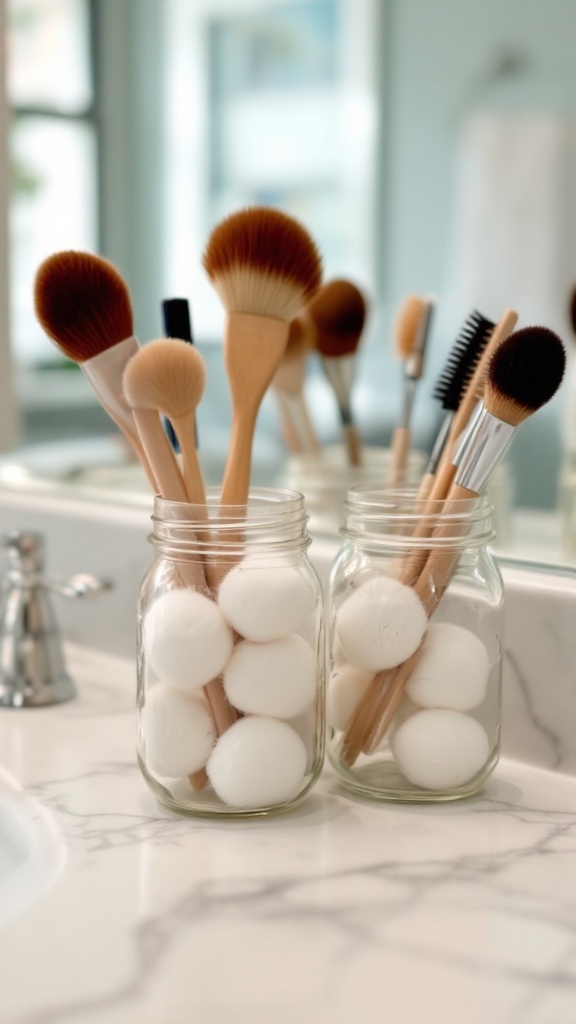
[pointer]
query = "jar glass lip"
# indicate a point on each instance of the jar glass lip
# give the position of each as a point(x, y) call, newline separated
point(392, 516)
point(262, 502)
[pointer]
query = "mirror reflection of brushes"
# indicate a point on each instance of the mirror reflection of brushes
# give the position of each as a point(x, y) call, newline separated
point(288, 386)
point(411, 333)
point(337, 315)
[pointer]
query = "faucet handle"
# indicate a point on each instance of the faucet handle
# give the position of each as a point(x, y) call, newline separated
point(32, 668)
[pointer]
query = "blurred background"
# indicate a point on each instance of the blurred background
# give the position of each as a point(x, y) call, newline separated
point(430, 148)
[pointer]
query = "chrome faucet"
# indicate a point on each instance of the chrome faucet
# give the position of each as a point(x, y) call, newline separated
point(32, 667)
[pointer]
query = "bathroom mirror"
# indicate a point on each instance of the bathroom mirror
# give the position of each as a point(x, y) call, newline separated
point(429, 147)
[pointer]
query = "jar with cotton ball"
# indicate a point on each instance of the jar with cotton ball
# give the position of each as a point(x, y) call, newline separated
point(415, 635)
point(231, 702)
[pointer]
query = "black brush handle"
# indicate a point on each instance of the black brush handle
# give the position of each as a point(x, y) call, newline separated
point(177, 324)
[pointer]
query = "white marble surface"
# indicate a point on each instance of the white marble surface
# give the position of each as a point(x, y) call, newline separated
point(339, 912)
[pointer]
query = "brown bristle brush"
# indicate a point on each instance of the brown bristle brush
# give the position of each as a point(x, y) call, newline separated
point(524, 373)
point(411, 333)
point(83, 304)
point(265, 267)
point(288, 386)
point(337, 315)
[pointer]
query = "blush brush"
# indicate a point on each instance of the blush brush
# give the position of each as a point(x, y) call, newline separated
point(524, 373)
point(337, 314)
point(265, 267)
point(84, 306)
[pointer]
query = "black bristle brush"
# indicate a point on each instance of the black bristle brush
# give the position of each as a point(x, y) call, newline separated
point(457, 373)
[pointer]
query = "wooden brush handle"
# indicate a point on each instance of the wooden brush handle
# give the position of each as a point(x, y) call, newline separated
point(298, 429)
point(398, 456)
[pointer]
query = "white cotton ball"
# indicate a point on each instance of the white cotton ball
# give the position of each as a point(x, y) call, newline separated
point(276, 679)
point(440, 749)
point(346, 686)
point(177, 731)
point(186, 639)
point(263, 601)
point(381, 624)
point(257, 762)
point(452, 669)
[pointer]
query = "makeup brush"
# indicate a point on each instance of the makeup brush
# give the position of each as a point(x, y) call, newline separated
point(83, 304)
point(524, 373)
point(177, 324)
point(453, 381)
point(169, 376)
point(265, 267)
point(288, 386)
point(337, 315)
point(144, 396)
point(411, 332)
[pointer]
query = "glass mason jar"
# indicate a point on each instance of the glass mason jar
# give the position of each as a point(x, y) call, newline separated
point(231, 657)
point(415, 640)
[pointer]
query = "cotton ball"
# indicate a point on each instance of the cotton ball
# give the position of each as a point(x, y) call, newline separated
point(177, 730)
point(381, 624)
point(263, 601)
point(452, 670)
point(440, 749)
point(257, 762)
point(276, 679)
point(346, 686)
point(186, 639)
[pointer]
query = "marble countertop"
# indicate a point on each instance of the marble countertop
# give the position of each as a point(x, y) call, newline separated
point(338, 912)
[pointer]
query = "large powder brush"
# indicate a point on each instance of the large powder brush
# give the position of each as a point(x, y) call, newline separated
point(265, 267)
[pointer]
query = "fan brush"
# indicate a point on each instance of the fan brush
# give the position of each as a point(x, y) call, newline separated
point(265, 267)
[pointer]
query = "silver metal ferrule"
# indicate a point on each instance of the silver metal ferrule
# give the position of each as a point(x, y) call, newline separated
point(340, 372)
point(464, 439)
point(483, 451)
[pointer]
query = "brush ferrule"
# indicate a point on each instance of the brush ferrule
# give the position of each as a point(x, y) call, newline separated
point(464, 439)
point(340, 372)
point(105, 372)
point(414, 366)
point(439, 443)
point(484, 449)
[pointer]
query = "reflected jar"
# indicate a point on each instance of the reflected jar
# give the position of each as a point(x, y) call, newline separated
point(415, 623)
point(231, 657)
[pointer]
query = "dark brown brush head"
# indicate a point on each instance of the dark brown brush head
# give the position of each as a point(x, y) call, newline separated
point(524, 373)
point(82, 303)
point(462, 360)
point(338, 313)
point(573, 311)
point(262, 261)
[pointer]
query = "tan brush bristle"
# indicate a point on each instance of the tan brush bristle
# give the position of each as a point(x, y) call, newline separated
point(338, 314)
point(262, 261)
point(407, 324)
point(166, 374)
point(524, 373)
point(83, 304)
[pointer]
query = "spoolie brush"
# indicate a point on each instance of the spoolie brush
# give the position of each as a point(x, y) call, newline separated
point(337, 315)
point(455, 377)
point(83, 304)
point(265, 268)
point(524, 373)
point(412, 329)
